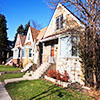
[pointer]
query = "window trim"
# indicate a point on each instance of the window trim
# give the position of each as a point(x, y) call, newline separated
point(31, 54)
point(60, 26)
point(24, 52)
point(59, 50)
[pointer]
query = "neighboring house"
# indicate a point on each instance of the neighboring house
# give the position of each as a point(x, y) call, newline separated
point(59, 43)
point(17, 50)
point(39, 47)
point(28, 49)
point(25, 50)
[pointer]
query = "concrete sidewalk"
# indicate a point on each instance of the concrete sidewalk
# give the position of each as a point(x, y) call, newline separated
point(3, 93)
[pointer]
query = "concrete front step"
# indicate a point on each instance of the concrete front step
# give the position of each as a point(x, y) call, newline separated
point(38, 72)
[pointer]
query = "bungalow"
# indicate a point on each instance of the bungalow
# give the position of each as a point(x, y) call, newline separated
point(26, 51)
point(17, 50)
point(59, 43)
point(29, 46)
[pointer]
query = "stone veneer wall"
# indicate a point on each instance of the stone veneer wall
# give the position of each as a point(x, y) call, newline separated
point(46, 52)
point(73, 67)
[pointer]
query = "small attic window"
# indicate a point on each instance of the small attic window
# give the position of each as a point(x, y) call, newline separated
point(29, 36)
point(59, 22)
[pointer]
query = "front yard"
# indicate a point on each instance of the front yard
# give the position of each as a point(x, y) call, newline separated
point(42, 90)
point(4, 68)
point(13, 74)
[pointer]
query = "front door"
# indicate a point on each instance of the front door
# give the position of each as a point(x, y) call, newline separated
point(51, 60)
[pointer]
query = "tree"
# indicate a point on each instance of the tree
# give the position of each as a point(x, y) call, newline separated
point(3, 38)
point(26, 28)
point(20, 30)
point(36, 25)
point(89, 13)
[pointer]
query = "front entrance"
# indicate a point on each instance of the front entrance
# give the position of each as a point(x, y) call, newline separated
point(51, 59)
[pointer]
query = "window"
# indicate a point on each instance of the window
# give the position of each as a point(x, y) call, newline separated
point(18, 52)
point(23, 52)
point(15, 55)
point(74, 46)
point(59, 22)
point(29, 36)
point(68, 47)
point(30, 52)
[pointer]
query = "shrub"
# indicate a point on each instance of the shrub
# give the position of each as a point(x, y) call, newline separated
point(57, 75)
point(64, 77)
point(52, 73)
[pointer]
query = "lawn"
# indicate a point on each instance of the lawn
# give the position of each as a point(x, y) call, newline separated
point(42, 90)
point(8, 68)
point(4, 68)
point(10, 76)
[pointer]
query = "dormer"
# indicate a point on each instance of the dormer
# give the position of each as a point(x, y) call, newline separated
point(29, 39)
point(18, 41)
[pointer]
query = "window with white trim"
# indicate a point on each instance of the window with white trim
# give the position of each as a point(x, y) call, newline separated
point(59, 22)
point(30, 52)
point(67, 47)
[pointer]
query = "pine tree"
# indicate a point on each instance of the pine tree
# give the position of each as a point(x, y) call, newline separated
point(26, 28)
point(3, 38)
point(20, 30)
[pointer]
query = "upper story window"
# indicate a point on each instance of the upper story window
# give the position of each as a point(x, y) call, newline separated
point(29, 36)
point(59, 22)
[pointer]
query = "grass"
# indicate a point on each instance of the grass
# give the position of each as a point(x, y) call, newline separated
point(8, 68)
point(10, 76)
point(4, 68)
point(42, 90)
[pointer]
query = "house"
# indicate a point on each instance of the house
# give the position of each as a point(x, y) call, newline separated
point(59, 43)
point(17, 50)
point(39, 47)
point(26, 51)
point(54, 46)
point(29, 46)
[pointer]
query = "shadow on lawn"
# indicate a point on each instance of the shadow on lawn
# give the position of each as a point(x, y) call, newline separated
point(51, 88)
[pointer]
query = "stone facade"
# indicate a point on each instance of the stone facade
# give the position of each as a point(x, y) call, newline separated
point(73, 68)
point(72, 64)
point(47, 51)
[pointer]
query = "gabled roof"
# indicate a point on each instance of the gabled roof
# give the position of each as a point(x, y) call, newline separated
point(22, 38)
point(34, 33)
point(41, 34)
point(73, 14)
point(67, 11)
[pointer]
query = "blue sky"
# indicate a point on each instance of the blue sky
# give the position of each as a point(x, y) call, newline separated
point(21, 11)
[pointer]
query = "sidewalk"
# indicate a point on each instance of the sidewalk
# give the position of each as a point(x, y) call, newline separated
point(3, 93)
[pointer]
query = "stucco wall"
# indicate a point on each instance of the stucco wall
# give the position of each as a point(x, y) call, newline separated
point(26, 60)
